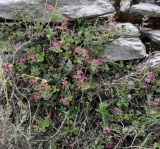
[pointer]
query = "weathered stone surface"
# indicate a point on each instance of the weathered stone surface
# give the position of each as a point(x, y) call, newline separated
point(124, 49)
point(87, 8)
point(146, 9)
point(126, 29)
point(154, 35)
point(72, 9)
point(9, 8)
point(151, 1)
point(125, 5)
point(151, 61)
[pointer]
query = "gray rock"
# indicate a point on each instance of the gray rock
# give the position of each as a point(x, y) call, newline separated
point(146, 9)
point(9, 8)
point(151, 1)
point(87, 8)
point(126, 29)
point(147, 1)
point(154, 35)
point(125, 5)
point(151, 61)
point(124, 49)
point(72, 9)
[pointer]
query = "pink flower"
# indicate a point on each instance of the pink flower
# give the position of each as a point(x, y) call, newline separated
point(78, 85)
point(84, 79)
point(96, 62)
point(108, 146)
point(151, 76)
point(34, 126)
point(153, 103)
point(119, 111)
point(35, 97)
point(31, 97)
point(49, 8)
point(57, 44)
point(106, 130)
point(80, 72)
point(157, 99)
point(86, 57)
point(103, 30)
point(32, 81)
point(22, 60)
point(113, 25)
point(64, 101)
point(43, 86)
point(64, 83)
point(142, 25)
point(8, 67)
point(32, 57)
point(145, 21)
point(49, 115)
point(78, 50)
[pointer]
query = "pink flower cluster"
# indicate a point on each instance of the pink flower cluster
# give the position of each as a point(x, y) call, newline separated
point(35, 96)
point(39, 89)
point(64, 83)
point(57, 44)
point(96, 62)
point(43, 86)
point(64, 101)
point(8, 67)
point(104, 30)
point(106, 130)
point(119, 111)
point(79, 74)
point(32, 81)
point(49, 8)
point(86, 57)
point(108, 146)
point(155, 103)
point(151, 76)
point(33, 126)
point(32, 57)
point(145, 21)
point(82, 52)
point(23, 59)
point(78, 51)
point(81, 79)
point(113, 24)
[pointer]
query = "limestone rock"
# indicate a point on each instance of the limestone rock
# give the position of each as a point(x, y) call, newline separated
point(146, 9)
point(151, 1)
point(151, 61)
point(124, 49)
point(72, 9)
point(87, 8)
point(126, 29)
point(154, 35)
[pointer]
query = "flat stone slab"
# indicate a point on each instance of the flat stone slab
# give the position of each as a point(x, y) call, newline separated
point(126, 29)
point(124, 49)
point(87, 8)
point(72, 9)
point(146, 9)
point(154, 35)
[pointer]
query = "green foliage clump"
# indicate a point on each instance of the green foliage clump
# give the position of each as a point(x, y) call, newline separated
point(62, 93)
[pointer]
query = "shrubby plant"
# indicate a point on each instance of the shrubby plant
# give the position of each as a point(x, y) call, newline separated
point(64, 96)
